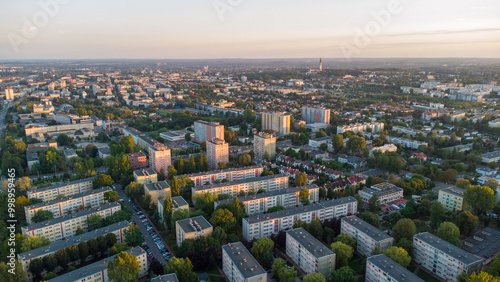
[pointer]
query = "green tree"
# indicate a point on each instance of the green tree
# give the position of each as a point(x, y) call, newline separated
point(301, 179)
point(304, 196)
point(36, 267)
point(449, 232)
point(19, 273)
point(314, 277)
point(492, 184)
point(398, 255)
point(346, 239)
point(93, 247)
point(24, 183)
point(110, 239)
point(371, 218)
point(494, 268)
point(356, 144)
point(467, 223)
point(281, 271)
point(168, 211)
point(343, 253)
point(62, 258)
point(102, 180)
point(223, 218)
point(182, 267)
point(42, 215)
point(111, 196)
point(276, 208)
point(315, 228)
point(480, 199)
point(261, 246)
point(94, 221)
point(74, 252)
point(34, 242)
point(337, 142)
point(124, 268)
point(374, 203)
point(64, 140)
point(187, 137)
point(83, 249)
point(175, 187)
point(404, 228)
point(79, 231)
point(49, 262)
point(344, 274)
point(438, 213)
point(133, 235)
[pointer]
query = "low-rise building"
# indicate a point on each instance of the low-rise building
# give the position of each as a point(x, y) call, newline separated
point(159, 191)
point(309, 253)
point(145, 175)
point(288, 198)
point(258, 226)
point(104, 152)
point(452, 198)
point(442, 258)
point(192, 228)
point(178, 203)
point(380, 268)
point(240, 266)
point(386, 193)
point(491, 157)
point(252, 185)
point(229, 174)
point(66, 226)
point(368, 237)
point(384, 149)
point(62, 190)
point(484, 243)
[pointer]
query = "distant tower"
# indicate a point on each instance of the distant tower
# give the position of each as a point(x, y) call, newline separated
point(320, 65)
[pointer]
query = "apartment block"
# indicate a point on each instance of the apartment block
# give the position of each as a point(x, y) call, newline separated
point(98, 271)
point(288, 198)
point(406, 143)
point(452, 198)
point(368, 237)
point(192, 228)
point(278, 123)
point(361, 127)
point(380, 268)
point(442, 258)
point(268, 183)
point(207, 131)
point(25, 258)
point(230, 174)
point(491, 157)
point(258, 226)
point(159, 191)
point(9, 94)
point(385, 149)
point(159, 157)
point(239, 264)
point(217, 151)
point(55, 130)
point(178, 203)
point(65, 189)
point(145, 175)
point(66, 205)
point(316, 115)
point(264, 143)
point(309, 253)
point(66, 226)
point(138, 160)
point(386, 193)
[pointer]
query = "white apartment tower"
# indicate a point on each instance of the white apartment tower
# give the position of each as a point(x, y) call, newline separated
point(264, 143)
point(217, 151)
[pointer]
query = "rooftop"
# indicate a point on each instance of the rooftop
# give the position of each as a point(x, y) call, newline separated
point(392, 268)
point(62, 185)
point(447, 248)
point(368, 229)
point(160, 185)
point(454, 191)
point(145, 172)
point(193, 224)
point(313, 245)
point(172, 277)
point(179, 201)
point(484, 243)
point(69, 198)
point(249, 180)
point(243, 260)
point(226, 170)
point(269, 194)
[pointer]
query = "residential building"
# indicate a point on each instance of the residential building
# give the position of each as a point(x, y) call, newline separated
point(66, 226)
point(442, 258)
point(98, 271)
point(145, 175)
point(350, 160)
point(316, 115)
point(288, 198)
point(69, 154)
point(361, 127)
point(406, 143)
point(159, 191)
point(380, 268)
point(138, 160)
point(172, 277)
point(452, 198)
point(386, 193)
point(239, 265)
point(217, 152)
point(177, 135)
point(72, 130)
point(368, 237)
point(178, 203)
point(192, 228)
point(207, 131)
point(309, 253)
point(494, 123)
point(264, 143)
point(484, 243)
point(25, 258)
point(385, 148)
point(229, 174)
point(491, 157)
point(252, 185)
point(278, 123)
point(159, 157)
point(60, 190)
point(104, 152)
point(9, 94)
point(66, 205)
point(257, 226)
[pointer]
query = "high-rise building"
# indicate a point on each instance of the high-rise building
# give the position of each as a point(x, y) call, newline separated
point(452, 198)
point(316, 115)
point(217, 151)
point(239, 264)
point(320, 64)
point(264, 143)
point(276, 122)
point(159, 157)
point(9, 94)
point(207, 131)
point(138, 160)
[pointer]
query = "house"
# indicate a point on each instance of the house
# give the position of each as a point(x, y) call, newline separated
point(486, 171)
point(421, 156)
point(104, 152)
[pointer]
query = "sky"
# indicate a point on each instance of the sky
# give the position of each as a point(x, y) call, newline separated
point(205, 29)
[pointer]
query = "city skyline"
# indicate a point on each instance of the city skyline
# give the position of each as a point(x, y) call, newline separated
point(249, 29)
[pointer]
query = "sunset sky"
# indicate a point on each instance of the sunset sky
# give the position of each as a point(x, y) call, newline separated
point(174, 29)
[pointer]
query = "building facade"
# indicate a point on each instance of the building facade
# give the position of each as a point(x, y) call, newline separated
point(252, 185)
point(67, 189)
point(240, 266)
point(145, 175)
point(368, 237)
point(380, 268)
point(264, 143)
point(217, 151)
point(316, 115)
point(138, 160)
point(159, 191)
point(386, 193)
point(207, 131)
point(361, 127)
point(192, 228)
point(159, 157)
point(276, 122)
point(230, 174)
point(452, 198)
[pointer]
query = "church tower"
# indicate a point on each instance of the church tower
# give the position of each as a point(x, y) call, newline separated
point(320, 65)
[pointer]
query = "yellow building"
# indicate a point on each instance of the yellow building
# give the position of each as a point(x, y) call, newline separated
point(264, 143)
point(145, 175)
point(159, 191)
point(276, 122)
point(452, 198)
point(192, 228)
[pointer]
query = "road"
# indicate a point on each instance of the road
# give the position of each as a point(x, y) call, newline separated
point(149, 241)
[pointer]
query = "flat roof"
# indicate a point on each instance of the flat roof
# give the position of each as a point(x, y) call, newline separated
point(160, 185)
point(368, 229)
point(93, 268)
point(189, 225)
point(248, 180)
point(447, 248)
point(243, 260)
point(75, 240)
point(313, 245)
point(226, 170)
point(298, 210)
point(69, 198)
point(179, 200)
point(144, 172)
point(454, 191)
point(269, 194)
point(484, 243)
point(64, 218)
point(392, 268)
point(493, 154)
point(36, 190)
point(172, 277)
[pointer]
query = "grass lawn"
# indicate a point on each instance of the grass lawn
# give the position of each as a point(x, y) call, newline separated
point(426, 276)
